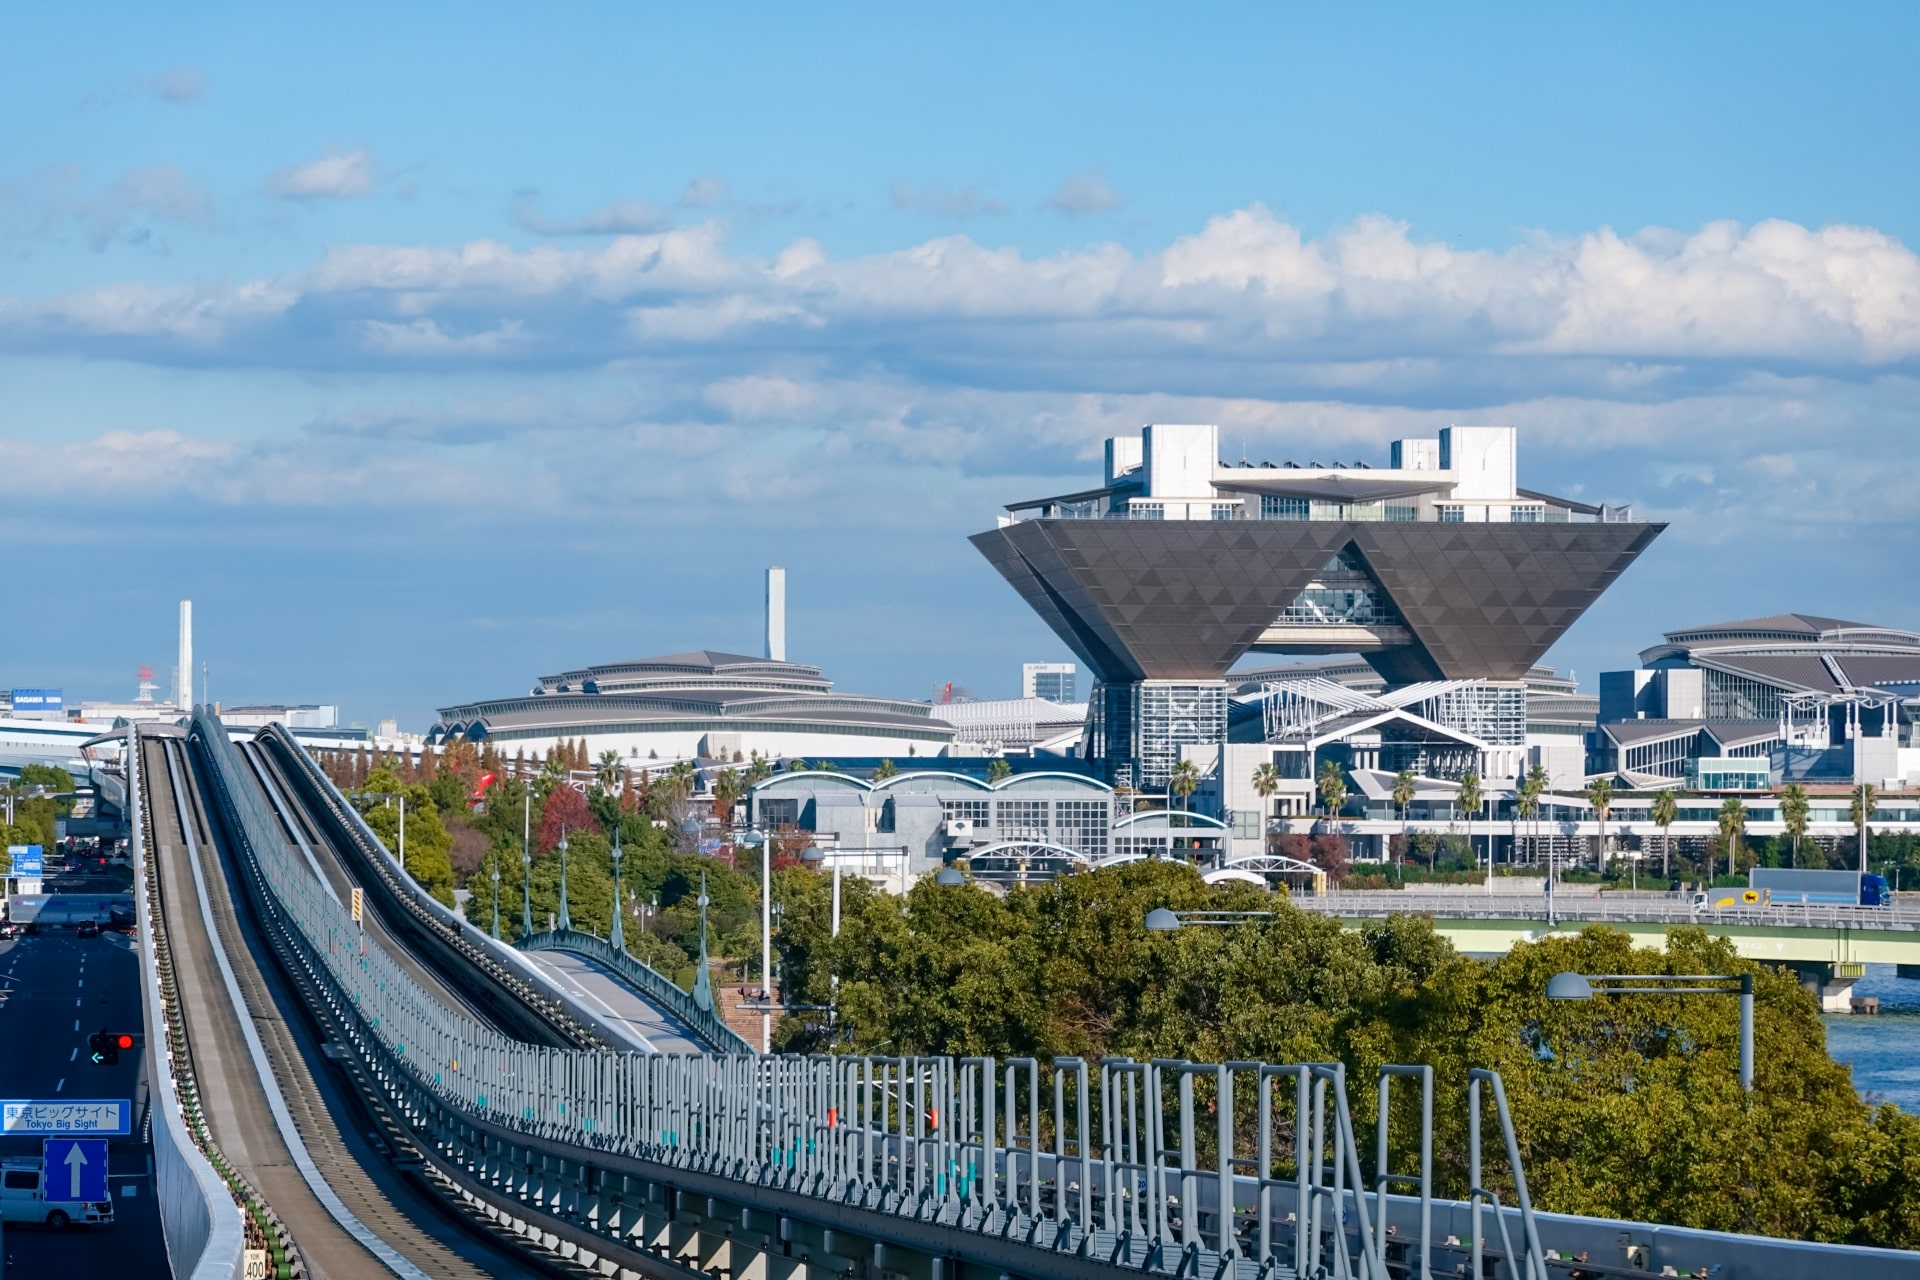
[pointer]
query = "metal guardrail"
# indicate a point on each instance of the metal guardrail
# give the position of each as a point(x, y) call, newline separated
point(1599, 907)
point(704, 1021)
point(203, 1224)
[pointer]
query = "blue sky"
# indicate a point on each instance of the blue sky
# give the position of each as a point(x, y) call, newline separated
point(433, 349)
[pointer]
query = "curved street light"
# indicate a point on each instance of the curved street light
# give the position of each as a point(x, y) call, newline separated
point(1581, 986)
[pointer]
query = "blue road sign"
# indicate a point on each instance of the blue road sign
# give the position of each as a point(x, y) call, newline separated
point(76, 1168)
point(27, 860)
point(112, 1116)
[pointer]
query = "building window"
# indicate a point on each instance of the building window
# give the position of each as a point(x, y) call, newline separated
point(1451, 513)
point(1147, 511)
point(1402, 515)
point(1227, 510)
point(1017, 818)
point(974, 811)
point(779, 813)
point(1272, 508)
point(1527, 513)
point(1082, 825)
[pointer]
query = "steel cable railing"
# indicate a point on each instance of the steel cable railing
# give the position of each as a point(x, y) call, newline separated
point(1073, 1158)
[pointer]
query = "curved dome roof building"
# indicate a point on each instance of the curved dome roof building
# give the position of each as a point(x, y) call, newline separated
point(701, 703)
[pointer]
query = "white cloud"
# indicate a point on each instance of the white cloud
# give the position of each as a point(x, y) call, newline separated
point(1085, 194)
point(943, 202)
point(125, 210)
point(704, 192)
point(178, 85)
point(622, 218)
point(334, 176)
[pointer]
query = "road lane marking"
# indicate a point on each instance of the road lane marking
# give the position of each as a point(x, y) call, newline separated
point(63, 1084)
point(75, 1055)
point(76, 1024)
point(76, 1002)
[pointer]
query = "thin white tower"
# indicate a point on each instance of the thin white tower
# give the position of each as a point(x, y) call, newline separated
point(186, 655)
point(777, 613)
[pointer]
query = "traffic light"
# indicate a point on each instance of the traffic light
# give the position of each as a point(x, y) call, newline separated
point(106, 1046)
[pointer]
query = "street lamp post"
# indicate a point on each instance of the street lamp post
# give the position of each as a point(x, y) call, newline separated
point(526, 863)
point(616, 935)
point(496, 895)
point(1580, 986)
point(1162, 920)
point(566, 921)
point(766, 936)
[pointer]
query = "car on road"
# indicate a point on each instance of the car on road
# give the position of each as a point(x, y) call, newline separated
point(24, 1198)
point(8, 929)
point(88, 929)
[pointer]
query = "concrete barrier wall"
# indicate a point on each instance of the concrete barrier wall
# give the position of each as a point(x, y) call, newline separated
point(198, 1216)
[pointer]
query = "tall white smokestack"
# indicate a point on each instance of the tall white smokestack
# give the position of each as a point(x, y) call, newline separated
point(186, 655)
point(777, 613)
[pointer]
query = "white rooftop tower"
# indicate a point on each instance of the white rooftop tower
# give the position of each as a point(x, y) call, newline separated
point(186, 655)
point(776, 613)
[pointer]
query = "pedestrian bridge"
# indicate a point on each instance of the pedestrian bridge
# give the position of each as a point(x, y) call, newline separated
point(1828, 944)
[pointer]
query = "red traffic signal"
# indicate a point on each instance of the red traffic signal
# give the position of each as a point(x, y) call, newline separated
point(123, 1041)
point(106, 1046)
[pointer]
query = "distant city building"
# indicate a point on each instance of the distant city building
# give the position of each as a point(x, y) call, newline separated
point(1439, 571)
point(1015, 724)
point(303, 716)
point(1819, 698)
point(703, 703)
point(1054, 681)
point(36, 704)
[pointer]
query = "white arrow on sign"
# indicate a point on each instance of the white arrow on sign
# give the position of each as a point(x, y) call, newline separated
point(76, 1161)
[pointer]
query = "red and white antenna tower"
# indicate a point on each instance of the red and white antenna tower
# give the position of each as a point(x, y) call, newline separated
point(147, 686)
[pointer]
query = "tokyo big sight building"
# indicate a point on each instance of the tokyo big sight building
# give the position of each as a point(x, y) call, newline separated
point(1441, 571)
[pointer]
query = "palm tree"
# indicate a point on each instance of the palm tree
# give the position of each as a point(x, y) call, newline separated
point(1600, 796)
point(759, 771)
point(1863, 807)
point(728, 786)
point(1333, 786)
point(1794, 815)
point(1403, 794)
point(1733, 820)
point(1527, 805)
point(998, 768)
point(884, 770)
point(608, 774)
point(1664, 810)
point(1266, 781)
point(1184, 781)
point(1468, 800)
point(1537, 782)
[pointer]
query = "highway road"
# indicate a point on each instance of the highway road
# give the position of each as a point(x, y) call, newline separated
point(55, 990)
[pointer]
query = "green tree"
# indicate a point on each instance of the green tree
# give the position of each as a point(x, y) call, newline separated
point(1469, 798)
point(884, 770)
point(1663, 811)
point(1861, 811)
point(1266, 783)
point(998, 768)
point(1795, 815)
point(1527, 805)
point(1600, 796)
point(1733, 822)
point(428, 843)
point(1184, 781)
point(1332, 783)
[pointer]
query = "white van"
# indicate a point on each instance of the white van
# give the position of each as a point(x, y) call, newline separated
point(23, 1198)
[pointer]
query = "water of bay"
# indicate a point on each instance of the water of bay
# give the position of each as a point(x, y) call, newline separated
point(1883, 1051)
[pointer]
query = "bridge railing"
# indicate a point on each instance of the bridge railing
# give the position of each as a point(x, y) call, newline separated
point(203, 1226)
point(1674, 910)
point(703, 1021)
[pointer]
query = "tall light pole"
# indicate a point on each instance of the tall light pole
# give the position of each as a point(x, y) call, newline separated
point(496, 895)
point(766, 942)
point(616, 935)
point(526, 861)
point(566, 921)
point(1580, 986)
